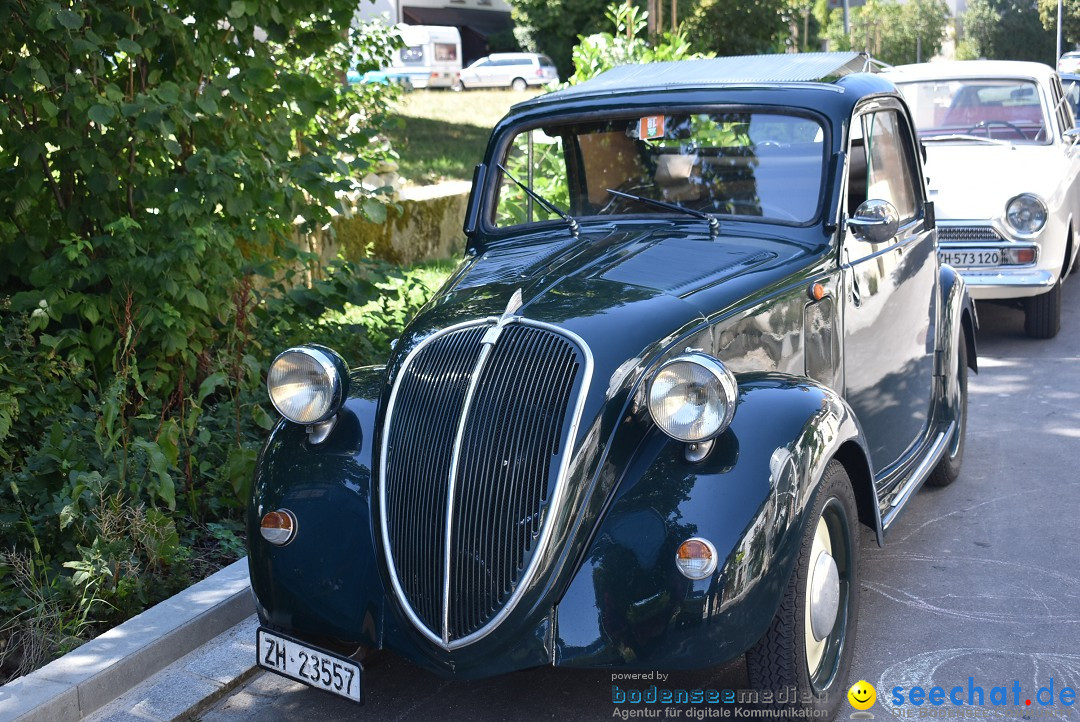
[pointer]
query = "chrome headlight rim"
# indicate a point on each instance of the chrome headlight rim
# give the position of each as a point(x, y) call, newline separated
point(1040, 206)
point(333, 368)
point(726, 384)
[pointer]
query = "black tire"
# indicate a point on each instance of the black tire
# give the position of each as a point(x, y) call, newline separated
point(948, 468)
point(1042, 313)
point(780, 660)
point(519, 84)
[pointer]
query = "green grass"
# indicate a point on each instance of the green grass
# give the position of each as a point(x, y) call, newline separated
point(442, 135)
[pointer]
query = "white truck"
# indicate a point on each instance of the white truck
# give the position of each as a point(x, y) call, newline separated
point(431, 57)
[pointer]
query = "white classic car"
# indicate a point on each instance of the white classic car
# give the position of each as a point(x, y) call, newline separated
point(1003, 170)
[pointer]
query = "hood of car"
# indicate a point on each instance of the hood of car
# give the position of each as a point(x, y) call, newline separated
point(972, 180)
point(620, 289)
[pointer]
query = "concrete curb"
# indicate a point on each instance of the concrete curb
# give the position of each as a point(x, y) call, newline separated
point(191, 685)
point(86, 679)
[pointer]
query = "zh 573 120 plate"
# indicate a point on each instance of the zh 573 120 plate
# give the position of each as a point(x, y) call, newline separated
point(311, 666)
point(969, 258)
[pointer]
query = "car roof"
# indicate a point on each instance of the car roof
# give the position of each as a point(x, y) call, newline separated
point(970, 69)
point(715, 72)
point(829, 82)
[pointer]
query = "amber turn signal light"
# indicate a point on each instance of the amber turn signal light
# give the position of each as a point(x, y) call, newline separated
point(696, 558)
point(278, 527)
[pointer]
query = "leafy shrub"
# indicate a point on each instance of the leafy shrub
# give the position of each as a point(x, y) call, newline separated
point(602, 51)
point(158, 161)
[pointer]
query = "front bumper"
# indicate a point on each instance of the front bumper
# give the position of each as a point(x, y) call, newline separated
point(1004, 281)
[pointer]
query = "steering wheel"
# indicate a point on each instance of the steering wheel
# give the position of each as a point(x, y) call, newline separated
point(987, 124)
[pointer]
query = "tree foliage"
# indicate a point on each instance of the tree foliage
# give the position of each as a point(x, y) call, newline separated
point(891, 31)
point(1005, 30)
point(602, 51)
point(553, 26)
point(156, 160)
point(740, 28)
point(1070, 24)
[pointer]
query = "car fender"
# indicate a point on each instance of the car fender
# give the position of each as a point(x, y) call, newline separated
point(628, 605)
point(959, 315)
point(309, 585)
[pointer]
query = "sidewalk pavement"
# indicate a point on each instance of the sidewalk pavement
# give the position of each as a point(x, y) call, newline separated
point(168, 663)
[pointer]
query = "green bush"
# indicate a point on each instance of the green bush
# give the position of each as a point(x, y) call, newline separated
point(158, 159)
point(605, 50)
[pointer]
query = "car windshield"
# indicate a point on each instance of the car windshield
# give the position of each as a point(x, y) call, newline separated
point(1007, 109)
point(765, 165)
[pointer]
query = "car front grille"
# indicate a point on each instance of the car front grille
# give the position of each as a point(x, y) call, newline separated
point(967, 233)
point(472, 451)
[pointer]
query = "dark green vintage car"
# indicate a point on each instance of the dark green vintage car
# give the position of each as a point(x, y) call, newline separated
point(700, 335)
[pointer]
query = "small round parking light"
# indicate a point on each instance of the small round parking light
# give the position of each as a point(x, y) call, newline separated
point(278, 527)
point(696, 558)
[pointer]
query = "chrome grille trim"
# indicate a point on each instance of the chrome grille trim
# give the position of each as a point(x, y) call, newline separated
point(431, 511)
point(951, 234)
point(487, 343)
point(545, 512)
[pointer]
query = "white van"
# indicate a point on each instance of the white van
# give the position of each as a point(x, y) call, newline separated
point(431, 57)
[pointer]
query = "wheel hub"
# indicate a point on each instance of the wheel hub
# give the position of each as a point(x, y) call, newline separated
point(824, 596)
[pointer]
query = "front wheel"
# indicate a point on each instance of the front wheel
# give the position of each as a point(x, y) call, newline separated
point(812, 638)
point(1042, 313)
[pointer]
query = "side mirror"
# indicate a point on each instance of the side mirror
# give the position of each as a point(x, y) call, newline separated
point(875, 221)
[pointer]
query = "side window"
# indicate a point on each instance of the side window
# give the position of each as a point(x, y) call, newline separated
point(538, 161)
point(881, 164)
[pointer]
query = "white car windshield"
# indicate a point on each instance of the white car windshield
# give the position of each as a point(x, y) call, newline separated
point(1003, 109)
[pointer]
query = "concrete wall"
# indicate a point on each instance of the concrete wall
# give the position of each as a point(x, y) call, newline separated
point(427, 227)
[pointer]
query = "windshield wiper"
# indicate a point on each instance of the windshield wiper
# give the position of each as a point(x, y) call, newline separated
point(714, 225)
point(964, 136)
point(574, 228)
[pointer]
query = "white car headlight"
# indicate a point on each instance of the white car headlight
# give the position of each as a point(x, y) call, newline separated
point(307, 384)
point(692, 397)
point(1026, 213)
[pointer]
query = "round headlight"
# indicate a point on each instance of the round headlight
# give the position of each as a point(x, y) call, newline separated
point(1026, 213)
point(692, 397)
point(306, 384)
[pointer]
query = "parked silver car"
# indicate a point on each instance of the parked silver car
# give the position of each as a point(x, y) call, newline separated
point(509, 70)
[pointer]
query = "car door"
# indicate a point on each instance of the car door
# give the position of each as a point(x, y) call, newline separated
point(475, 76)
point(890, 310)
point(1066, 121)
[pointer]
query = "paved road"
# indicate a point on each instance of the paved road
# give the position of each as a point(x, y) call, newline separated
point(980, 579)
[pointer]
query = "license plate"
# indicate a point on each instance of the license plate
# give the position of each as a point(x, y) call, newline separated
point(311, 666)
point(971, 258)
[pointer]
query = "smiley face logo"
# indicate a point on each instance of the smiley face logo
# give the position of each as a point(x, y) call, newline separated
point(862, 695)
